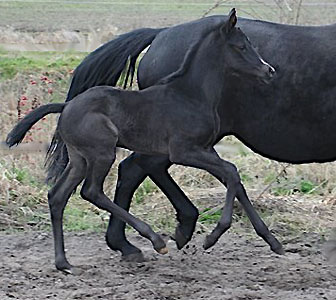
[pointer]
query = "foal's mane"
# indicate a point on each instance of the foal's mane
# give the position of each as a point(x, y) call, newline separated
point(188, 58)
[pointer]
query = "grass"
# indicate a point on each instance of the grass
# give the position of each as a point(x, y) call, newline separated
point(145, 190)
point(14, 63)
point(209, 217)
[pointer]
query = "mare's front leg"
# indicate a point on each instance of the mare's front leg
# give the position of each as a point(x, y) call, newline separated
point(131, 173)
point(227, 174)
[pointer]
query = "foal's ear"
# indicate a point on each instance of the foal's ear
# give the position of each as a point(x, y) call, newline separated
point(232, 20)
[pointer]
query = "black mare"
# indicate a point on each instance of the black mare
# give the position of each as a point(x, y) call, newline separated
point(170, 118)
point(290, 120)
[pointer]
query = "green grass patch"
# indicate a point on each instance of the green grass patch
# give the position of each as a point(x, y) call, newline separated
point(210, 217)
point(22, 175)
point(307, 186)
point(80, 215)
point(145, 189)
point(12, 63)
point(286, 187)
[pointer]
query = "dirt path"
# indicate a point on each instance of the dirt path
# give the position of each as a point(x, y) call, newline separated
point(238, 267)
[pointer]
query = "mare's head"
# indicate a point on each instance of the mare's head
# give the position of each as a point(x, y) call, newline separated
point(238, 55)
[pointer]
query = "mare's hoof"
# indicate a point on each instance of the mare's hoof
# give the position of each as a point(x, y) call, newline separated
point(163, 250)
point(137, 257)
point(278, 250)
point(180, 239)
point(209, 242)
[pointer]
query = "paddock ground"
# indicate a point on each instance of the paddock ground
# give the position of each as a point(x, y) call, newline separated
point(238, 267)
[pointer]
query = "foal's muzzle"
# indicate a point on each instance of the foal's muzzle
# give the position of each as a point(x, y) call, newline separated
point(268, 73)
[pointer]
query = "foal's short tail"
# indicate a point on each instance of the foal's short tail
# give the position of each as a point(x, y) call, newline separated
point(19, 131)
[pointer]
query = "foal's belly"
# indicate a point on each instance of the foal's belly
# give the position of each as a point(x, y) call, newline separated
point(143, 139)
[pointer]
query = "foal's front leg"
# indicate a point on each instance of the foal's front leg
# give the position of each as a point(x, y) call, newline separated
point(227, 173)
point(99, 162)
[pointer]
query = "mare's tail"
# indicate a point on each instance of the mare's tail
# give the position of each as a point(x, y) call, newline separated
point(19, 131)
point(101, 67)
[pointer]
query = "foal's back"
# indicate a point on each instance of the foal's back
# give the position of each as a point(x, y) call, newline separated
point(143, 121)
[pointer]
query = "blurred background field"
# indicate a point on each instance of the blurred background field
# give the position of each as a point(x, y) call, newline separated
point(41, 42)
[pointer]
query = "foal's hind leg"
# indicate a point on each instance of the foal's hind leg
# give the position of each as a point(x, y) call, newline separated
point(58, 197)
point(99, 162)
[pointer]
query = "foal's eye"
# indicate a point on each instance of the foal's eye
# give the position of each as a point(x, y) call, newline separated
point(239, 48)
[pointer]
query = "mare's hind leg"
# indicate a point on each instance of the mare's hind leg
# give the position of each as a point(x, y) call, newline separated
point(58, 197)
point(99, 162)
point(130, 175)
point(227, 173)
point(132, 171)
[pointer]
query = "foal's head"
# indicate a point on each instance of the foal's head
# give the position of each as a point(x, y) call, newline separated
point(238, 54)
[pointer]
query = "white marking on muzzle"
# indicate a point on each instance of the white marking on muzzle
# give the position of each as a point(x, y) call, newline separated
point(267, 64)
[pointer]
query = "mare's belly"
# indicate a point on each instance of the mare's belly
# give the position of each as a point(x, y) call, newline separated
point(293, 145)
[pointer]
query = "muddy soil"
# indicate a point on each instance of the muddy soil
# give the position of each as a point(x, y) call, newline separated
point(240, 266)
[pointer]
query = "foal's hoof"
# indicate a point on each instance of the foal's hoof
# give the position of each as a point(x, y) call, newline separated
point(76, 271)
point(180, 239)
point(71, 271)
point(209, 242)
point(163, 250)
point(278, 249)
point(137, 257)
point(159, 245)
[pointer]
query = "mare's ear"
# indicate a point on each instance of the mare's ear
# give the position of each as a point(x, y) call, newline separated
point(232, 21)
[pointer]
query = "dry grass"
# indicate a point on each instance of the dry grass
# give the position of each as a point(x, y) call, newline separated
point(278, 189)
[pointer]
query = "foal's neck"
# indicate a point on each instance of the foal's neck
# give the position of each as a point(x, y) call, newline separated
point(206, 87)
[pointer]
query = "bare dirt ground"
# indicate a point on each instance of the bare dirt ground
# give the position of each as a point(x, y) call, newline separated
point(238, 267)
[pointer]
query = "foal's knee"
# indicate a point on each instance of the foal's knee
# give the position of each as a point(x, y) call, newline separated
point(88, 193)
point(232, 175)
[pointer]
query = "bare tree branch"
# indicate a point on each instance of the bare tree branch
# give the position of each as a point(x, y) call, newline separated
point(298, 11)
point(217, 4)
